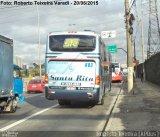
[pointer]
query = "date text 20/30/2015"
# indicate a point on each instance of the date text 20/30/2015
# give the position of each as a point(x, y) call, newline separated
point(85, 3)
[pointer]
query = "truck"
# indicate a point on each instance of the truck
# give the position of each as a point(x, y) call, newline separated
point(8, 98)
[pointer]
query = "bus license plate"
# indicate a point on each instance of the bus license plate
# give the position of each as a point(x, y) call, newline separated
point(70, 84)
point(70, 88)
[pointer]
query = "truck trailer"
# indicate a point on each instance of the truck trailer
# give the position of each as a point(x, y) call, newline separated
point(8, 100)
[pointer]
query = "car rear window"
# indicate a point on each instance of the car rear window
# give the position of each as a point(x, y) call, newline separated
point(34, 81)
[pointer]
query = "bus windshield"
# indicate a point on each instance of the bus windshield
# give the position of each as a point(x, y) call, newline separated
point(72, 43)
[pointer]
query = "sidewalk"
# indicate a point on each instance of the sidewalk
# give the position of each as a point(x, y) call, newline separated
point(138, 112)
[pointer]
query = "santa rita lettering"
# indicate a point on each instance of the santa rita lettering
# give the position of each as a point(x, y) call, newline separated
point(69, 78)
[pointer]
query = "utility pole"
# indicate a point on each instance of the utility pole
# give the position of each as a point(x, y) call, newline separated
point(39, 46)
point(129, 31)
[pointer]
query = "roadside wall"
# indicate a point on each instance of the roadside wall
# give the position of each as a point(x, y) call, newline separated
point(152, 69)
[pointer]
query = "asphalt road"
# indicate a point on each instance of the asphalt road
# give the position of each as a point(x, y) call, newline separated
point(38, 116)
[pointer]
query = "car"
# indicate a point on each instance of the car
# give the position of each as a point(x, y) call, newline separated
point(36, 85)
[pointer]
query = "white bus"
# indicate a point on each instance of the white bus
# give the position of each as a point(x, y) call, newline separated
point(78, 68)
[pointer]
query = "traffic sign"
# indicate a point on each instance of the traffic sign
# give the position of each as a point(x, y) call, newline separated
point(108, 34)
point(112, 48)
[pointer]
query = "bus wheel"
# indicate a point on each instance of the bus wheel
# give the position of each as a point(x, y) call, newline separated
point(92, 103)
point(67, 102)
point(63, 102)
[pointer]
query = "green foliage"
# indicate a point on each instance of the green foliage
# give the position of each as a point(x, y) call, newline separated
point(31, 72)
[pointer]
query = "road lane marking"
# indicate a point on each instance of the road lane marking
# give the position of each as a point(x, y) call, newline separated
point(110, 119)
point(26, 118)
point(102, 126)
point(103, 123)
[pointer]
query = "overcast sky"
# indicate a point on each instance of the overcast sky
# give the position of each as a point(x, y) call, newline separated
point(20, 23)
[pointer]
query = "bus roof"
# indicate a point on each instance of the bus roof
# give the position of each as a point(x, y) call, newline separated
point(74, 32)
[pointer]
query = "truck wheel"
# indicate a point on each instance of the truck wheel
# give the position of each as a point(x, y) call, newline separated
point(13, 109)
point(1, 109)
point(14, 104)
